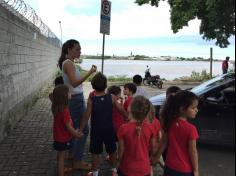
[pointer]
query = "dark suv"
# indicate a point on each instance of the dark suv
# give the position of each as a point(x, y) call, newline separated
point(215, 120)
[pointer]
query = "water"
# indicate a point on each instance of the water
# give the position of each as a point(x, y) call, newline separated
point(166, 69)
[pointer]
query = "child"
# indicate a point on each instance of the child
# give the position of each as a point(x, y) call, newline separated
point(100, 106)
point(155, 124)
point(137, 80)
point(172, 90)
point(135, 138)
point(117, 118)
point(129, 91)
point(180, 135)
point(62, 125)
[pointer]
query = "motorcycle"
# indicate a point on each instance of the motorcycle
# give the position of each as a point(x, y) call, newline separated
point(152, 80)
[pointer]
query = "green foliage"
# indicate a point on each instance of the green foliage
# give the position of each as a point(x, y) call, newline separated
point(217, 17)
point(196, 76)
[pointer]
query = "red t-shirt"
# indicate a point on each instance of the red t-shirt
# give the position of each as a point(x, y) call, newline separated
point(135, 161)
point(179, 135)
point(117, 119)
point(156, 125)
point(60, 132)
point(127, 103)
point(225, 65)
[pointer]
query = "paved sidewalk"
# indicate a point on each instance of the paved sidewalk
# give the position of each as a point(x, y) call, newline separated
point(27, 150)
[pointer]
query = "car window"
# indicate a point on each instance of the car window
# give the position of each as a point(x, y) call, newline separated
point(225, 95)
point(215, 82)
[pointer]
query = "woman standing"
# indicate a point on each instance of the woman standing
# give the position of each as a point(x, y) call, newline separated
point(72, 78)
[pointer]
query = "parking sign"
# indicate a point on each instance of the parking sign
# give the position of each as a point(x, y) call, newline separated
point(105, 17)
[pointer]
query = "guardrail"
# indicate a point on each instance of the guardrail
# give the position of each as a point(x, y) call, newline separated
point(27, 13)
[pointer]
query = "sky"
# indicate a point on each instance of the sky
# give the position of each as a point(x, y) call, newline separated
point(140, 30)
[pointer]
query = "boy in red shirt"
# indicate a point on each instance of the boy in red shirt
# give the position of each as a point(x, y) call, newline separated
point(129, 91)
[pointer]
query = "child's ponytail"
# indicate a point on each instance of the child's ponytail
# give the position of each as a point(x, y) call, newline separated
point(171, 110)
point(140, 108)
point(167, 113)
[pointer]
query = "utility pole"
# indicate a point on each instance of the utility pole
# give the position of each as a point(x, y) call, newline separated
point(211, 59)
point(61, 31)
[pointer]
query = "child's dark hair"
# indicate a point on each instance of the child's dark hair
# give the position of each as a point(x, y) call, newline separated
point(59, 98)
point(139, 109)
point(58, 80)
point(115, 90)
point(99, 82)
point(137, 79)
point(69, 44)
point(131, 86)
point(172, 89)
point(171, 110)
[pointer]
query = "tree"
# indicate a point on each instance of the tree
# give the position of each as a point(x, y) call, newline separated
point(217, 17)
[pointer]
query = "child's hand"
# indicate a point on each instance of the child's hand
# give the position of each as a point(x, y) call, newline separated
point(78, 133)
point(196, 173)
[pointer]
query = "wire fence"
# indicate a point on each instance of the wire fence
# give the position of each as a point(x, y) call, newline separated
point(25, 12)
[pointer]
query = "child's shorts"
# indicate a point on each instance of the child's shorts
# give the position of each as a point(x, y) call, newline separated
point(61, 146)
point(108, 138)
point(170, 172)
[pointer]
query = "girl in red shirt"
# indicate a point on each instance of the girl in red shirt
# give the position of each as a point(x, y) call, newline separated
point(180, 135)
point(117, 117)
point(62, 125)
point(135, 138)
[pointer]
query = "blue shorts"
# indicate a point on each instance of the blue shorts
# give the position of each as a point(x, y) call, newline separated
point(170, 172)
point(62, 146)
point(107, 137)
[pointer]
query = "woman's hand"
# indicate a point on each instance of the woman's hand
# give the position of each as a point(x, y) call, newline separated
point(93, 69)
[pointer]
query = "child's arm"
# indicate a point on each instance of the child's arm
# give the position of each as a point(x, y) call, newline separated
point(120, 151)
point(74, 132)
point(161, 148)
point(86, 115)
point(119, 107)
point(194, 156)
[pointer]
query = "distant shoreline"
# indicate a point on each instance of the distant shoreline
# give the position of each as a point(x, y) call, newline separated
point(147, 58)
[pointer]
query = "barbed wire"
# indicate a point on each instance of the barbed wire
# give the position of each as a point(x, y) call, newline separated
point(20, 8)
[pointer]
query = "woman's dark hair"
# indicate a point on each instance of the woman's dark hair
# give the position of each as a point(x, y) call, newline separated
point(59, 99)
point(171, 110)
point(69, 44)
point(139, 109)
point(99, 82)
point(131, 86)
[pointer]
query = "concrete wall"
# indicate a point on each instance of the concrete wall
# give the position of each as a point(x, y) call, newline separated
point(27, 62)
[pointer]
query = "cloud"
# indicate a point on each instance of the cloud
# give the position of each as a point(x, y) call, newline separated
point(128, 20)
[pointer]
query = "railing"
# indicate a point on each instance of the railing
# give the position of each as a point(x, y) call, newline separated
point(21, 9)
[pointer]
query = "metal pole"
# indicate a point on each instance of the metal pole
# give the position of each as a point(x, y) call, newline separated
point(103, 46)
point(61, 31)
point(211, 59)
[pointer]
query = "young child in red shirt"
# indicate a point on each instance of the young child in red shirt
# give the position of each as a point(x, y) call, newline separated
point(180, 135)
point(117, 118)
point(135, 138)
point(129, 91)
point(155, 124)
point(63, 130)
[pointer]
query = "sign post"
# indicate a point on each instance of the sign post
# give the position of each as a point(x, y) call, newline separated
point(105, 23)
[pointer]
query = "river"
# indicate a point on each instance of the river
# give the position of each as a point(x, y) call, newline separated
point(166, 69)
